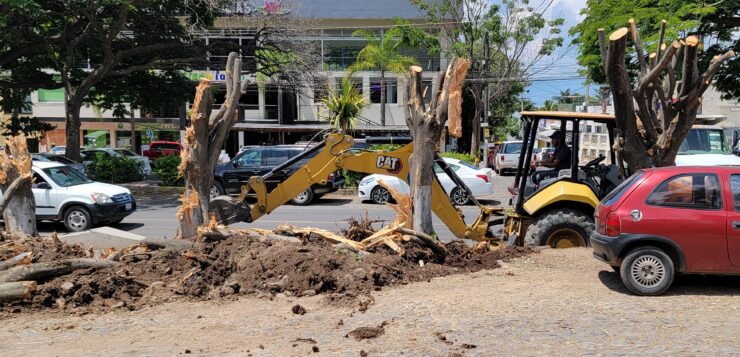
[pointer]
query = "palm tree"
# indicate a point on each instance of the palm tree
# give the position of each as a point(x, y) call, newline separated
point(345, 104)
point(382, 55)
point(549, 105)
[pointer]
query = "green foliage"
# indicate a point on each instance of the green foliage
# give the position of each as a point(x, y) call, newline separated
point(344, 105)
point(471, 159)
point(115, 169)
point(385, 147)
point(382, 54)
point(166, 169)
point(351, 178)
point(715, 21)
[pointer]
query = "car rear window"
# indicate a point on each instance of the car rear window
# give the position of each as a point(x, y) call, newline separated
point(512, 148)
point(164, 146)
point(616, 193)
point(469, 165)
point(695, 190)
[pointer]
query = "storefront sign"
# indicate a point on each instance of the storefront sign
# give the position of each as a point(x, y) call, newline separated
point(216, 76)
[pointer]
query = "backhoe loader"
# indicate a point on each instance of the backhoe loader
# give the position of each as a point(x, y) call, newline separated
point(335, 152)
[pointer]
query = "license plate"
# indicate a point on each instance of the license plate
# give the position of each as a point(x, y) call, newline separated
point(128, 206)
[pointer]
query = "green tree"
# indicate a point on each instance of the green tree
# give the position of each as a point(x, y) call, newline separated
point(383, 55)
point(716, 23)
point(519, 38)
point(345, 104)
point(549, 105)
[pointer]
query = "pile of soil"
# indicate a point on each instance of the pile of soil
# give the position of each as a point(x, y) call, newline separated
point(244, 264)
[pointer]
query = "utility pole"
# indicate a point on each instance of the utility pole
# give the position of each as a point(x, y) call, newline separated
point(585, 104)
point(486, 50)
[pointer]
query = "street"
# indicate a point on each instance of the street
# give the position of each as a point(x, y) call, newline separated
point(155, 215)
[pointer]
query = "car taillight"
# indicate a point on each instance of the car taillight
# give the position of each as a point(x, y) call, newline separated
point(503, 158)
point(483, 177)
point(613, 225)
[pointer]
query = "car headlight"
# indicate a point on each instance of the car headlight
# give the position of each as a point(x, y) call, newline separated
point(101, 198)
point(367, 180)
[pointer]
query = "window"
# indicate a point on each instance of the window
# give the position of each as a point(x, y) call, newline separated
point(700, 191)
point(512, 148)
point(356, 82)
point(276, 157)
point(391, 93)
point(735, 186)
point(37, 179)
point(438, 169)
point(66, 176)
point(598, 129)
point(704, 141)
point(251, 158)
point(320, 89)
point(92, 155)
point(588, 128)
point(616, 193)
point(51, 95)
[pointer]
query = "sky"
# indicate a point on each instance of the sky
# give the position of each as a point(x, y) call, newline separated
point(560, 74)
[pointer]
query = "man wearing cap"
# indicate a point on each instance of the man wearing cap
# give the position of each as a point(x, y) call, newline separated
point(558, 161)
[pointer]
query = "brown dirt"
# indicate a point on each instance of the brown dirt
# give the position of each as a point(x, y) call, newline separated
point(368, 332)
point(243, 264)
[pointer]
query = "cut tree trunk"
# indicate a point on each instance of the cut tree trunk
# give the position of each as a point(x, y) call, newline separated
point(15, 291)
point(46, 270)
point(18, 205)
point(426, 122)
point(203, 142)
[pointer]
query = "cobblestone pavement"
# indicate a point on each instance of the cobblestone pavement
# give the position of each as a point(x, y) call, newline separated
point(559, 302)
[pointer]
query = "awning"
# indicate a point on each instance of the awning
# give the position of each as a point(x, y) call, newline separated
point(96, 134)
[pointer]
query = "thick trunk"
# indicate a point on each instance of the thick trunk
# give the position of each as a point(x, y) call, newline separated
point(475, 133)
point(421, 178)
point(134, 147)
point(382, 98)
point(72, 130)
point(21, 290)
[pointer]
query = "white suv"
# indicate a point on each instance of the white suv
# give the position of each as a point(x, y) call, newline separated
point(63, 194)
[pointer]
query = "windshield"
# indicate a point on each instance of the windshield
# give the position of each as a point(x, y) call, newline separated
point(164, 146)
point(704, 141)
point(512, 148)
point(66, 176)
point(62, 159)
point(125, 152)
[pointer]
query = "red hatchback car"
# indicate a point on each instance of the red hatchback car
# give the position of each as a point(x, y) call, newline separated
point(664, 221)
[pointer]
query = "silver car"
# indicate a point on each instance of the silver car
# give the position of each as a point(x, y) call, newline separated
point(507, 157)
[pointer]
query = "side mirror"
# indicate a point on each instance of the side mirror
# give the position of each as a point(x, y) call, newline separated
point(43, 186)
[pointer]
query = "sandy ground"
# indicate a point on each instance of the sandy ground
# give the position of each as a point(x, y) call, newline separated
point(560, 302)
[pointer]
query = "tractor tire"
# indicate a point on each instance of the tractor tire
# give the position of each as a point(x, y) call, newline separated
point(560, 228)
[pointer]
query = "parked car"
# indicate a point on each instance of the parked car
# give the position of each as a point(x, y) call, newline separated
point(162, 148)
point(60, 159)
point(89, 155)
point(259, 160)
point(705, 145)
point(479, 180)
point(64, 194)
point(58, 150)
point(664, 221)
point(507, 157)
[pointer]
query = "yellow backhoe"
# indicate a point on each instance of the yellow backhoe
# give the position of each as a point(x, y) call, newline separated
point(334, 153)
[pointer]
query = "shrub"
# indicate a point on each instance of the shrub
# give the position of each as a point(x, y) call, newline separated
point(115, 169)
point(386, 147)
point(471, 159)
point(351, 178)
point(166, 168)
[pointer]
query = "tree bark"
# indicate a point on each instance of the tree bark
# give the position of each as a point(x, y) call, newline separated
point(19, 211)
point(72, 129)
point(134, 147)
point(382, 98)
point(46, 270)
point(15, 291)
point(426, 123)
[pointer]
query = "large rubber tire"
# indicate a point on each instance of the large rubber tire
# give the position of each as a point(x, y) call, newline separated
point(459, 197)
point(380, 195)
point(647, 271)
point(217, 189)
point(304, 198)
point(77, 219)
point(560, 228)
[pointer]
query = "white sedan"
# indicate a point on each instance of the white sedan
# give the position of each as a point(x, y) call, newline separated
point(479, 180)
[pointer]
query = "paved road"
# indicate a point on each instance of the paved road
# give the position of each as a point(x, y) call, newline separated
point(155, 216)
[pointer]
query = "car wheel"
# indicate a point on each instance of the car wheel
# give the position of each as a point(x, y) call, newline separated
point(459, 196)
point(77, 219)
point(217, 189)
point(303, 198)
point(379, 194)
point(560, 228)
point(647, 271)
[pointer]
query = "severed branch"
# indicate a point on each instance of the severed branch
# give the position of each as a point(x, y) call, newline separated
point(14, 260)
point(8, 194)
point(46, 270)
point(638, 46)
point(661, 37)
point(15, 291)
point(439, 249)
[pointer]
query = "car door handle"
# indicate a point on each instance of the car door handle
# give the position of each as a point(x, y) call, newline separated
point(736, 225)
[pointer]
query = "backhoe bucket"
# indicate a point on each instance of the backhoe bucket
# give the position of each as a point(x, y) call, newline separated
point(229, 210)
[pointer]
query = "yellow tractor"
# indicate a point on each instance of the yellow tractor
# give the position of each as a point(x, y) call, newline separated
point(556, 208)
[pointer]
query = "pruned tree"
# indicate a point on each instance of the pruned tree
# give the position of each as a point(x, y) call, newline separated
point(17, 204)
point(654, 114)
point(426, 122)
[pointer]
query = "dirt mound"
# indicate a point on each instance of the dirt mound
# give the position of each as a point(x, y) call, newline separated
point(244, 264)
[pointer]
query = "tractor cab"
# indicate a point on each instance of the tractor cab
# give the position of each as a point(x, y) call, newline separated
point(553, 199)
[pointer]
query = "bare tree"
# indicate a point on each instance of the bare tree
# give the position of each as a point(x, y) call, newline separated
point(656, 113)
point(426, 122)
